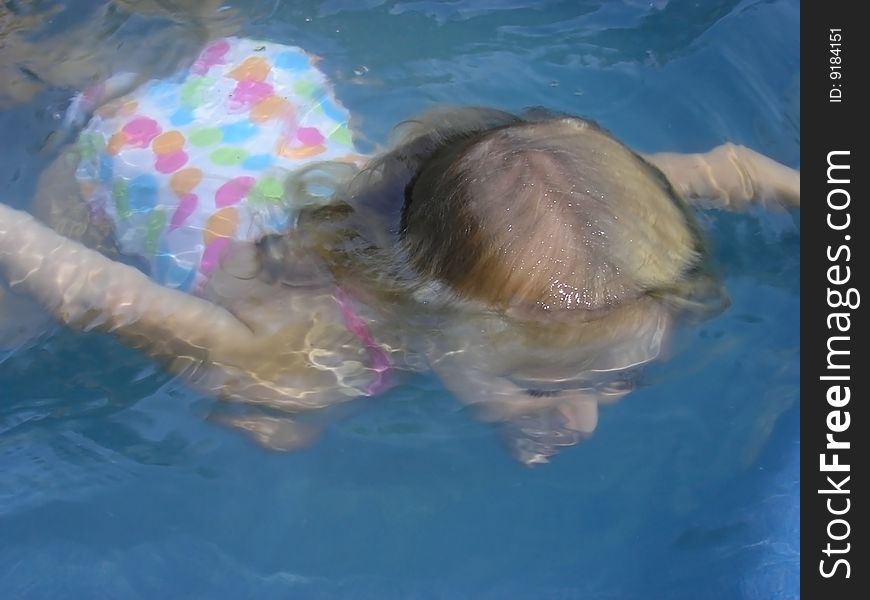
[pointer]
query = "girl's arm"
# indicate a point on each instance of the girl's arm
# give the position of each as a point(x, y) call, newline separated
point(86, 290)
point(730, 176)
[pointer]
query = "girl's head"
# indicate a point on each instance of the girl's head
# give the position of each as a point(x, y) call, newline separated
point(536, 217)
point(544, 259)
point(545, 216)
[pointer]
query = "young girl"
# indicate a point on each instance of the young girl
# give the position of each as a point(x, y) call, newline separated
point(534, 261)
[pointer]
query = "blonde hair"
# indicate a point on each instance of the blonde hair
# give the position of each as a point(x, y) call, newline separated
point(553, 214)
point(536, 214)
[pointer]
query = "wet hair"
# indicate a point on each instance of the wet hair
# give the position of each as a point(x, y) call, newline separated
point(536, 214)
point(553, 215)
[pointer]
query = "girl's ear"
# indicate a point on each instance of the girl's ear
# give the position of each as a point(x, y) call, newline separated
point(288, 259)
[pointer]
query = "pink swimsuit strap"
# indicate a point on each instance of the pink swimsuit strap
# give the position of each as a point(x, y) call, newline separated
point(378, 359)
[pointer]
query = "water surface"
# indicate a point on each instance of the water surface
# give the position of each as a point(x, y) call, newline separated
point(113, 485)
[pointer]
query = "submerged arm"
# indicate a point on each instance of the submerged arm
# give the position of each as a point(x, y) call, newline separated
point(86, 290)
point(729, 176)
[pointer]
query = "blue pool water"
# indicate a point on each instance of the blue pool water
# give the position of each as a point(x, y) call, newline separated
point(113, 485)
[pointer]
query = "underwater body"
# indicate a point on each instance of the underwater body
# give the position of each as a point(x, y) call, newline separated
point(113, 484)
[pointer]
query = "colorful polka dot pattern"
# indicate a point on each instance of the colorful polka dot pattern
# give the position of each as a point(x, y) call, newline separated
point(184, 166)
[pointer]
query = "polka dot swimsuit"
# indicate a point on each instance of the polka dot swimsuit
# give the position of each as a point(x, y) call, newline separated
point(183, 166)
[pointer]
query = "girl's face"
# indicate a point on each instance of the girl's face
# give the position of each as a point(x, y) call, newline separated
point(545, 382)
